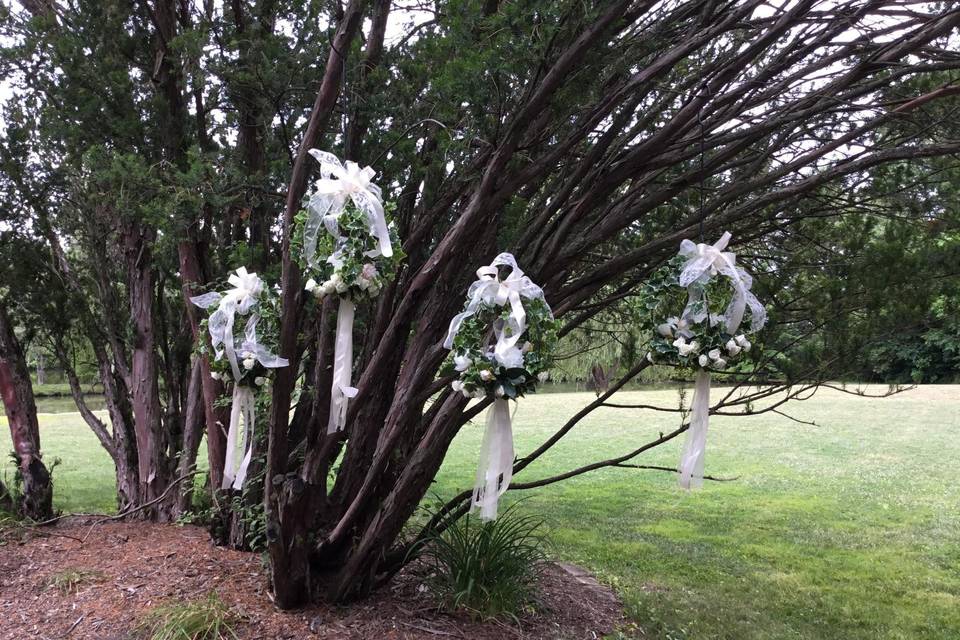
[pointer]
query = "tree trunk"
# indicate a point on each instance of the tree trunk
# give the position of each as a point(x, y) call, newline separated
point(154, 469)
point(21, 410)
point(192, 434)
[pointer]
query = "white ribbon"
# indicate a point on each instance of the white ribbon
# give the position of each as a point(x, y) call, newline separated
point(496, 461)
point(489, 290)
point(246, 290)
point(245, 408)
point(340, 182)
point(341, 390)
point(239, 300)
point(695, 447)
point(705, 261)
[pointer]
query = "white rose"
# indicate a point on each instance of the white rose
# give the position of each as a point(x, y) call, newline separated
point(259, 381)
point(362, 283)
point(462, 363)
point(511, 359)
point(527, 347)
point(543, 376)
point(214, 375)
point(732, 347)
point(369, 272)
point(311, 285)
point(457, 386)
point(686, 349)
point(703, 360)
point(665, 330)
point(248, 363)
point(714, 354)
point(743, 342)
point(720, 363)
point(486, 375)
point(465, 393)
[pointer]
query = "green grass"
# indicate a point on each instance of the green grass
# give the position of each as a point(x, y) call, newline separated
point(848, 530)
point(72, 579)
point(206, 619)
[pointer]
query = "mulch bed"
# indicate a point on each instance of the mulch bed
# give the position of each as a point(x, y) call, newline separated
point(140, 565)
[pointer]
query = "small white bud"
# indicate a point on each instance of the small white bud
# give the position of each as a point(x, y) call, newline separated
point(486, 375)
point(259, 381)
point(248, 363)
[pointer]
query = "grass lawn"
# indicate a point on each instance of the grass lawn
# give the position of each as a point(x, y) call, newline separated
point(845, 530)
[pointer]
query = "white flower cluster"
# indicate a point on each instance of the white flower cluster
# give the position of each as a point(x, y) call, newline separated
point(368, 281)
point(248, 363)
point(713, 358)
point(512, 358)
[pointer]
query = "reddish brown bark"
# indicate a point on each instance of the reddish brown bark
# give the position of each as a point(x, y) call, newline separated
point(16, 391)
point(154, 469)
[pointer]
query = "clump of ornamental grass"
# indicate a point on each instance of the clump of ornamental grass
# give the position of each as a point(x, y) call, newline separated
point(70, 580)
point(488, 569)
point(206, 619)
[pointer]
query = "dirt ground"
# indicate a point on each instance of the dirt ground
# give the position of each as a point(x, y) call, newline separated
point(134, 567)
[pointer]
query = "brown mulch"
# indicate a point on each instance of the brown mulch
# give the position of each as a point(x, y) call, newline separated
point(139, 566)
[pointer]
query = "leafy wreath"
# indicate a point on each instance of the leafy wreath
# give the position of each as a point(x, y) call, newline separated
point(502, 343)
point(700, 280)
point(347, 240)
point(252, 344)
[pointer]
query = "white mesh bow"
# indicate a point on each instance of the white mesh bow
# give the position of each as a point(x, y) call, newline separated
point(489, 290)
point(338, 183)
point(246, 289)
point(705, 261)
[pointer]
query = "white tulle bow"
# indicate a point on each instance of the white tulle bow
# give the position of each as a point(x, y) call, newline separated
point(489, 290)
point(246, 290)
point(340, 182)
point(705, 261)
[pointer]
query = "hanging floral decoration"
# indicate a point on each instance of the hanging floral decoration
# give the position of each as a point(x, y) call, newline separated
point(700, 338)
point(249, 349)
point(501, 347)
point(350, 249)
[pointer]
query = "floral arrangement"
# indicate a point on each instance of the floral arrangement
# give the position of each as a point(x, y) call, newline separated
point(247, 365)
point(249, 346)
point(501, 346)
point(502, 343)
point(348, 244)
point(698, 338)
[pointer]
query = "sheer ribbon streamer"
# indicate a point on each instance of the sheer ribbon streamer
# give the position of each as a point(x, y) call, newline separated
point(496, 460)
point(703, 262)
point(341, 391)
point(695, 447)
point(243, 408)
